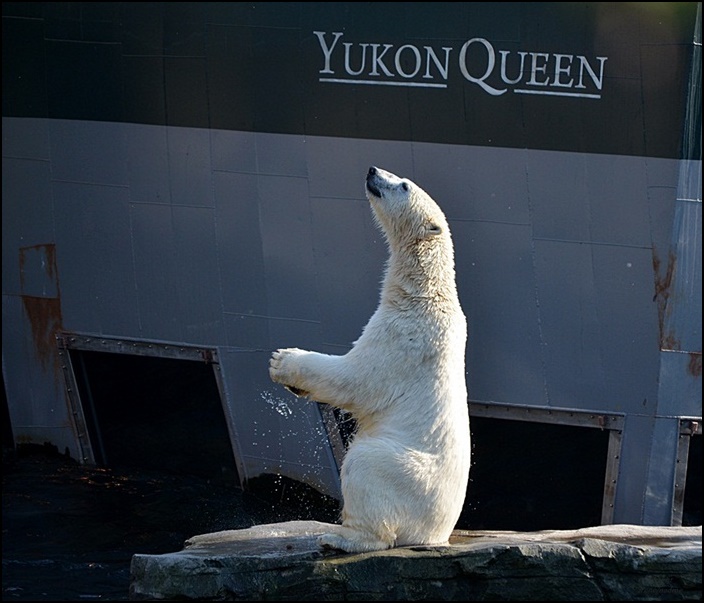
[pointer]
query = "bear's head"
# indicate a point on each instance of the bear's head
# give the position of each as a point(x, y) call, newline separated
point(407, 214)
point(422, 255)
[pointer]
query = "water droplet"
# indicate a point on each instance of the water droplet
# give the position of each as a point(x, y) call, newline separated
point(278, 404)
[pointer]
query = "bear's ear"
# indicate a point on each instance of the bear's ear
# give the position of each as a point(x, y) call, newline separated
point(434, 229)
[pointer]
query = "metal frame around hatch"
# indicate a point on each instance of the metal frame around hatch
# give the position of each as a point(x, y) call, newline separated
point(91, 343)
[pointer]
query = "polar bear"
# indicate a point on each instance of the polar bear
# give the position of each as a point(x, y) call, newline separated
point(405, 473)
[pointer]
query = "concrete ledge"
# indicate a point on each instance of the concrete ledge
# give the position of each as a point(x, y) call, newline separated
point(283, 562)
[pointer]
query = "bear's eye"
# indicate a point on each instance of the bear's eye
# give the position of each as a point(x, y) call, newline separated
point(434, 229)
point(406, 186)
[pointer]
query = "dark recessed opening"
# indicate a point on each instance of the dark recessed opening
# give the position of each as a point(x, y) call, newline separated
point(692, 506)
point(8, 440)
point(153, 413)
point(534, 476)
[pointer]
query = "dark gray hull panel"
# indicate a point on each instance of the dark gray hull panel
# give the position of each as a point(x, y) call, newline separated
point(236, 221)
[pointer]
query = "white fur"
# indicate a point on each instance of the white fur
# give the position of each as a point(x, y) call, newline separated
point(405, 473)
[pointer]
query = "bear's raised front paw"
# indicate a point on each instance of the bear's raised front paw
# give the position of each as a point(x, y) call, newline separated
point(281, 365)
point(282, 369)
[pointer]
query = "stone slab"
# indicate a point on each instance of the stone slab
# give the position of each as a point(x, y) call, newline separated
point(283, 562)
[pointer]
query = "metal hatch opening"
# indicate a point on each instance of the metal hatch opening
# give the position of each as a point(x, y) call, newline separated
point(528, 476)
point(148, 411)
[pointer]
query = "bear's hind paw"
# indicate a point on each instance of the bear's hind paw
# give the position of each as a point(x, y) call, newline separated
point(351, 545)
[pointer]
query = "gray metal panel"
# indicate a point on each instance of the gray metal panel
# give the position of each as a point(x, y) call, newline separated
point(197, 276)
point(328, 179)
point(281, 155)
point(295, 332)
point(239, 244)
point(497, 292)
point(558, 196)
point(595, 312)
point(613, 459)
point(349, 262)
point(148, 168)
point(33, 380)
point(337, 166)
point(661, 203)
point(94, 251)
point(239, 247)
point(683, 315)
point(660, 480)
point(473, 183)
point(680, 302)
point(663, 173)
point(287, 247)
point(624, 286)
point(25, 138)
point(38, 276)
point(274, 431)
point(616, 197)
point(190, 170)
point(25, 184)
point(233, 151)
point(88, 152)
point(680, 384)
point(19, 362)
point(570, 325)
point(588, 198)
point(287, 244)
point(633, 469)
point(247, 331)
point(683, 447)
point(156, 272)
point(177, 274)
point(645, 491)
point(690, 180)
point(31, 307)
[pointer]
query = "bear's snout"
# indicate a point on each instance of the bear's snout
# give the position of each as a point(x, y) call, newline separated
point(371, 182)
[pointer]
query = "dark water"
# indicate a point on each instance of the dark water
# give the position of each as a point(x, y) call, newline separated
point(69, 531)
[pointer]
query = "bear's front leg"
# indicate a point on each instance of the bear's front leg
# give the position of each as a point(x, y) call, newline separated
point(309, 374)
point(283, 368)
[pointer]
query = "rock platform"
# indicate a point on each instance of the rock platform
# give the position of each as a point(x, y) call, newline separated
point(282, 562)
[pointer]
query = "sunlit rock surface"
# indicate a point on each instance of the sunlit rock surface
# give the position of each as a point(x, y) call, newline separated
point(283, 562)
